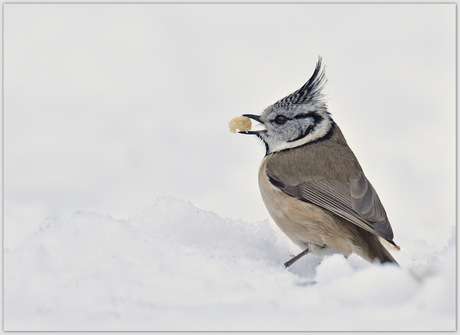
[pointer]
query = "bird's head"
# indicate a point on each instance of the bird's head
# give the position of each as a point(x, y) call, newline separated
point(298, 118)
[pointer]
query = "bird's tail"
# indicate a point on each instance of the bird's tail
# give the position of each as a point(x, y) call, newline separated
point(387, 257)
point(378, 251)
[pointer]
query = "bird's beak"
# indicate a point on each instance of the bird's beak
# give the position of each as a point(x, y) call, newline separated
point(252, 116)
point(253, 132)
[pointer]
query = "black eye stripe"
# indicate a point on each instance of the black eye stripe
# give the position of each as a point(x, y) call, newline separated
point(315, 116)
point(302, 116)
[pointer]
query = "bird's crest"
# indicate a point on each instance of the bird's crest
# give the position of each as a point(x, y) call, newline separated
point(310, 92)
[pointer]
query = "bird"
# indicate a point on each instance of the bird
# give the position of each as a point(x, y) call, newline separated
point(312, 183)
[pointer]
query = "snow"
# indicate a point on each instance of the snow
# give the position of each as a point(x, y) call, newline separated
point(177, 267)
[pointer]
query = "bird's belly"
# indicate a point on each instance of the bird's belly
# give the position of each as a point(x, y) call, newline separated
point(302, 222)
point(297, 219)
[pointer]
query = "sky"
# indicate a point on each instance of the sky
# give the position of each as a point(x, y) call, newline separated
point(109, 107)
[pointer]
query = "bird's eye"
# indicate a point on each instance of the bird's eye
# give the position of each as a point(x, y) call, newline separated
point(280, 119)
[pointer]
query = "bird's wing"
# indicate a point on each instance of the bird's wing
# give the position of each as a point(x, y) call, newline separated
point(355, 201)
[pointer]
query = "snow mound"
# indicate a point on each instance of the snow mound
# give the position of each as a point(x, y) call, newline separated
point(176, 267)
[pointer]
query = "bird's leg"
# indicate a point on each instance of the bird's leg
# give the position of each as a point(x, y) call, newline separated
point(292, 260)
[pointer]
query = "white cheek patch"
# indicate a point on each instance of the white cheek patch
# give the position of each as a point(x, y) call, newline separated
point(321, 130)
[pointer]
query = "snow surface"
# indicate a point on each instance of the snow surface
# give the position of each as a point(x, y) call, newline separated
point(176, 267)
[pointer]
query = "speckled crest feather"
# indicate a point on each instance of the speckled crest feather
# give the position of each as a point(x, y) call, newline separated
point(310, 92)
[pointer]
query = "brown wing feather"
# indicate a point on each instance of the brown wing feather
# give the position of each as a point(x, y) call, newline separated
point(366, 203)
point(356, 202)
